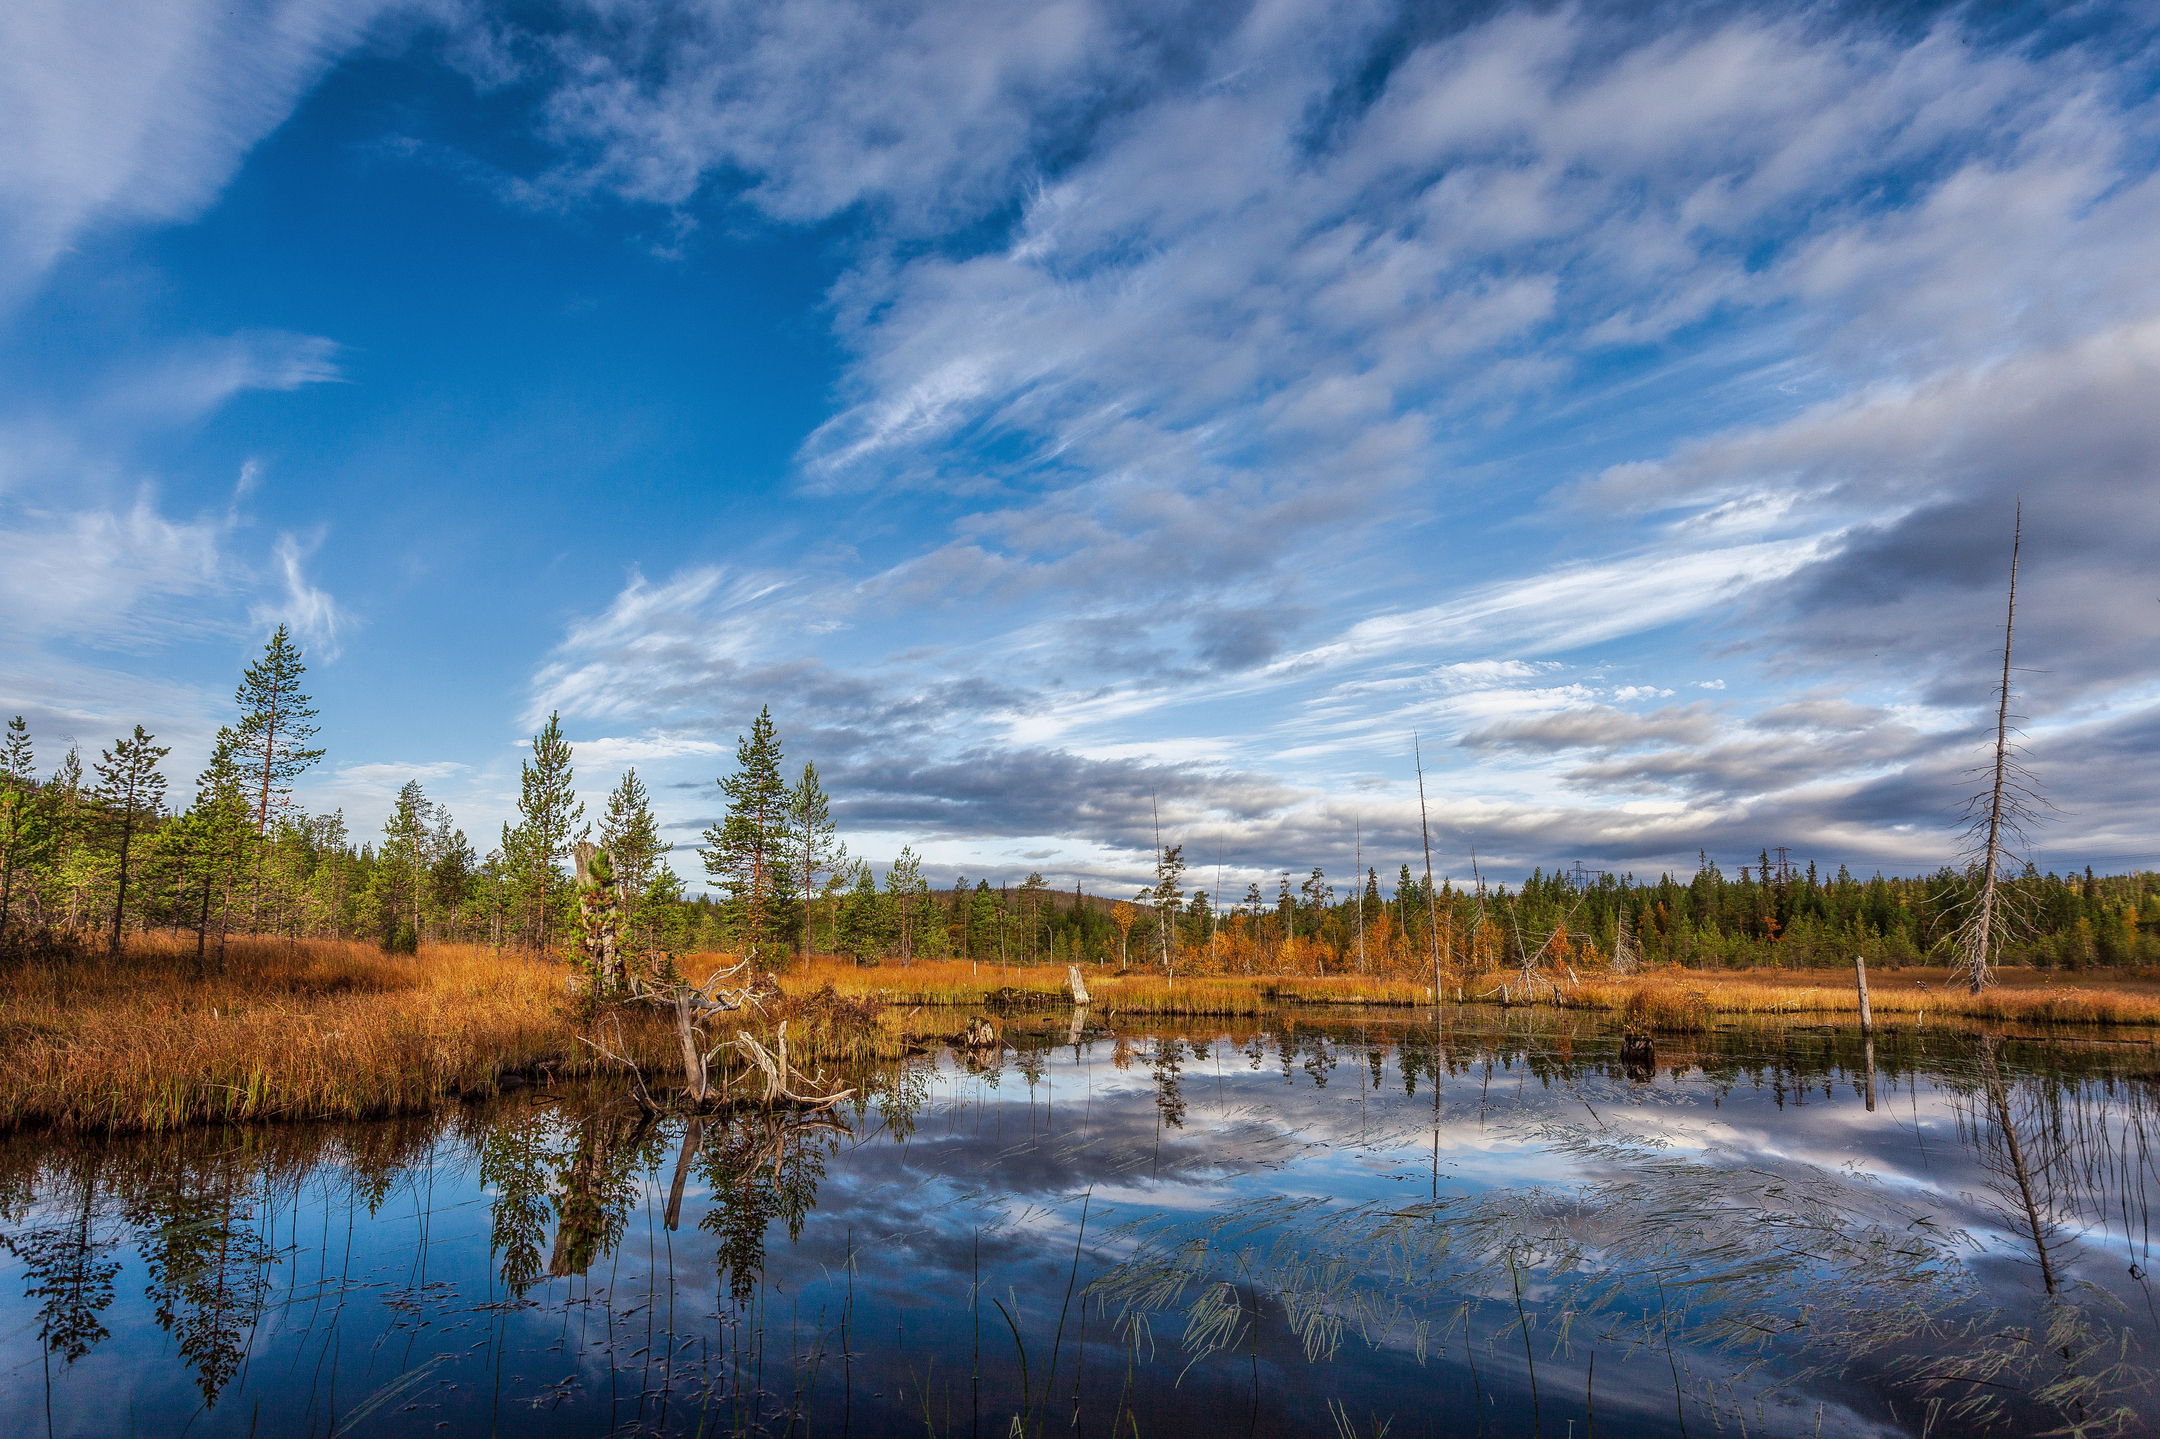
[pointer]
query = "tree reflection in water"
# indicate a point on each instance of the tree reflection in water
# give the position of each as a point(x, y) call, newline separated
point(1984, 1284)
point(67, 1265)
point(758, 1165)
point(761, 1165)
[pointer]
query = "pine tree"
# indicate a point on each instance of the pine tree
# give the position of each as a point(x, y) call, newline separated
point(747, 850)
point(813, 845)
point(548, 814)
point(64, 796)
point(1286, 905)
point(332, 843)
point(453, 880)
point(18, 809)
point(956, 923)
point(276, 722)
point(1165, 896)
point(133, 791)
point(631, 836)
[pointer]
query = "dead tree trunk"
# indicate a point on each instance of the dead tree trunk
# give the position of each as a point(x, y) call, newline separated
point(1981, 937)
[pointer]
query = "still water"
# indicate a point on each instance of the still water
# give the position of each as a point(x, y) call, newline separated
point(1457, 1224)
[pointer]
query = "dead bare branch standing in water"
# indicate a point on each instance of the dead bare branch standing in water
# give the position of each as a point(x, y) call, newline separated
point(1996, 814)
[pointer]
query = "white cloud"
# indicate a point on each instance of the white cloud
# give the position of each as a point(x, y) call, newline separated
point(108, 576)
point(1929, 475)
point(1243, 413)
point(609, 753)
point(312, 614)
point(388, 775)
point(193, 378)
point(1577, 606)
point(139, 110)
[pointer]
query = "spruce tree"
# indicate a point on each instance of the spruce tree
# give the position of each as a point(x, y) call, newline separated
point(216, 832)
point(865, 922)
point(410, 848)
point(631, 836)
point(18, 809)
point(813, 844)
point(747, 850)
point(132, 790)
point(907, 900)
point(276, 722)
point(548, 812)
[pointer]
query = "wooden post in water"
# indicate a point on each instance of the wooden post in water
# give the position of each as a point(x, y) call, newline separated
point(1867, 1016)
point(1867, 1052)
point(1076, 984)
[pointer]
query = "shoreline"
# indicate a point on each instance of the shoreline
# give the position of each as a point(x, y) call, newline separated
point(340, 1030)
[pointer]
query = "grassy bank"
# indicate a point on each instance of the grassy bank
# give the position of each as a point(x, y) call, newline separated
point(959, 983)
point(1666, 999)
point(324, 1029)
point(1685, 1001)
point(318, 1029)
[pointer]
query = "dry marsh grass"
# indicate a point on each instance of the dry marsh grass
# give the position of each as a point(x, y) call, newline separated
point(320, 1029)
point(328, 1029)
point(1663, 999)
point(1688, 1001)
point(958, 983)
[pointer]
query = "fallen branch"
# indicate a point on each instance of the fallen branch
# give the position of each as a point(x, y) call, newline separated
point(777, 1072)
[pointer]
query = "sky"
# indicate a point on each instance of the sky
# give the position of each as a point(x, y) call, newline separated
point(1082, 420)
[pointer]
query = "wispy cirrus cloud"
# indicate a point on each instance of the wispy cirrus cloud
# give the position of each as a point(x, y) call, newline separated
point(1258, 404)
point(140, 112)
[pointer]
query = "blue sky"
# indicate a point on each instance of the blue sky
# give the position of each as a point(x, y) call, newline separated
point(1070, 414)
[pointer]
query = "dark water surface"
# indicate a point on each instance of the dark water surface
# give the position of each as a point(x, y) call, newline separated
point(1475, 1223)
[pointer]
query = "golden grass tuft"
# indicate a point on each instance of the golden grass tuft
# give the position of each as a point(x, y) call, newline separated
point(315, 1028)
point(324, 1029)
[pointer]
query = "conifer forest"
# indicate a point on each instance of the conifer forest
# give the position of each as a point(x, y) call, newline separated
point(96, 848)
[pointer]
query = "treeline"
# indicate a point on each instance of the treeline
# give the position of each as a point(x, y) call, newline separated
point(91, 852)
point(1771, 915)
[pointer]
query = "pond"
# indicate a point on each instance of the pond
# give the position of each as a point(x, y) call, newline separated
point(1471, 1222)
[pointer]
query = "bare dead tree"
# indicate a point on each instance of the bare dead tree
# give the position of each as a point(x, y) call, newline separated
point(1997, 813)
point(1432, 903)
point(691, 1006)
point(1357, 838)
point(1626, 953)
